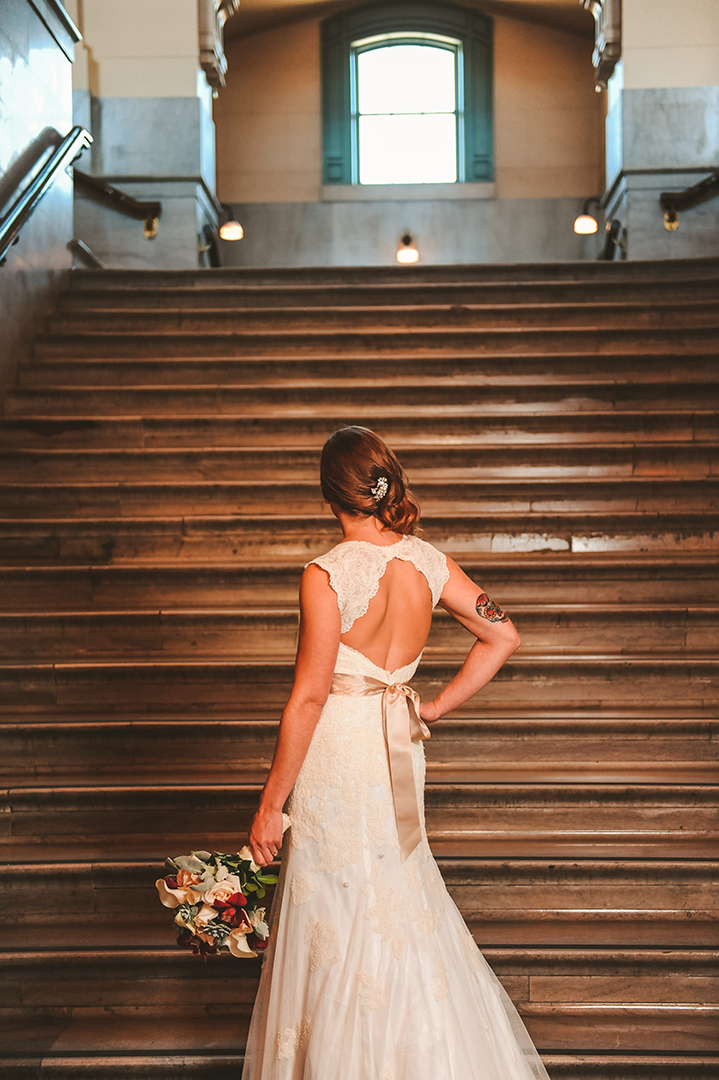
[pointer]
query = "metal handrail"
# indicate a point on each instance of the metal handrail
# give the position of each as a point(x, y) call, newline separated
point(24, 206)
point(672, 202)
point(147, 212)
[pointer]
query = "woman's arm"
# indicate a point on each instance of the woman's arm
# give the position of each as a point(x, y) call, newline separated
point(319, 638)
point(496, 640)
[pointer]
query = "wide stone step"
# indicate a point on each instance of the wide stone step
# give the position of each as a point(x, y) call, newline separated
point(212, 294)
point(204, 342)
point(532, 498)
point(680, 460)
point(617, 1066)
point(625, 903)
point(671, 314)
point(652, 270)
point(615, 999)
point(420, 429)
point(261, 688)
point(272, 632)
point(406, 369)
point(440, 399)
point(592, 746)
point(197, 1065)
point(251, 539)
point(584, 820)
point(516, 579)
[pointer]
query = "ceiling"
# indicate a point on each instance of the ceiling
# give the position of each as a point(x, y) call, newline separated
point(255, 15)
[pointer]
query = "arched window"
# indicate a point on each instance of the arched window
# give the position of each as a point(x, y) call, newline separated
point(407, 95)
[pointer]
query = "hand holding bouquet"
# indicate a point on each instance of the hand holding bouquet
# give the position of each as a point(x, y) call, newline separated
point(217, 899)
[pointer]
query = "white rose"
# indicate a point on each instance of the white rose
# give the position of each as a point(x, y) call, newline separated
point(223, 890)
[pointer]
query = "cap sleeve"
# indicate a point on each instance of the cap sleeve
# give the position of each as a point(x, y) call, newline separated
point(433, 564)
point(354, 571)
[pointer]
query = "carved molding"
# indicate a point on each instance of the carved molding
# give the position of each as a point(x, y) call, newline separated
point(607, 37)
point(212, 16)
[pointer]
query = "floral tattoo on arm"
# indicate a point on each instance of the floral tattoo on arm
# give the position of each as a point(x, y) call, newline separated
point(487, 609)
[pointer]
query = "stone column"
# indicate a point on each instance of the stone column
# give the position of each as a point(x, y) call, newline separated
point(144, 87)
point(663, 123)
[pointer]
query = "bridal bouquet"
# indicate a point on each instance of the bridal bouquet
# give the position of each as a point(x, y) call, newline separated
point(217, 900)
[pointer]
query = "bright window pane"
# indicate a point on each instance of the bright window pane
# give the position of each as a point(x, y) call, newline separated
point(408, 149)
point(406, 78)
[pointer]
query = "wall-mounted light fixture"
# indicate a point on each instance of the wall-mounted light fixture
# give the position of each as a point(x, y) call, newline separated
point(231, 230)
point(586, 224)
point(407, 248)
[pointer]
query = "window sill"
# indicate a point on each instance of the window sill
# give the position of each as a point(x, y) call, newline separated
point(404, 192)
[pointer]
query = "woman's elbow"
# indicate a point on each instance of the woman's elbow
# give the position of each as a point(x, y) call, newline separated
point(511, 639)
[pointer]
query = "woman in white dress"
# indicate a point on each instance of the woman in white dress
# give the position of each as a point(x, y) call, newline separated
point(371, 972)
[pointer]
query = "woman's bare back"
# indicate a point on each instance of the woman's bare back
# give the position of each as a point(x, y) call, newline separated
point(394, 629)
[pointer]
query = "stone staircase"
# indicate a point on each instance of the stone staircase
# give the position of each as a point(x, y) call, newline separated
point(158, 498)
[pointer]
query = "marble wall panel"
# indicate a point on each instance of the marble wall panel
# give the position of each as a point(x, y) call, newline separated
point(365, 234)
point(35, 111)
point(671, 128)
point(147, 136)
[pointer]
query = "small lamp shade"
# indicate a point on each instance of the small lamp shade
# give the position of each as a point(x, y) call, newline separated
point(231, 230)
point(585, 225)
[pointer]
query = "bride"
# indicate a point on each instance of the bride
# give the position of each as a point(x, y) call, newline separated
point(371, 972)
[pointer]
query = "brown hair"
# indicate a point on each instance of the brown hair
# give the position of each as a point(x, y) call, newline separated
point(353, 460)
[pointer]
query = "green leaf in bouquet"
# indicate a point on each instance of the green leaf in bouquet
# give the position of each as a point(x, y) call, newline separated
point(171, 866)
point(267, 879)
point(260, 891)
point(250, 886)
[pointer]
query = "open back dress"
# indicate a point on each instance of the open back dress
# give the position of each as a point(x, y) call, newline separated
point(371, 973)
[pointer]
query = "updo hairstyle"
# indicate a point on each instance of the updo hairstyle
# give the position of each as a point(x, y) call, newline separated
point(353, 462)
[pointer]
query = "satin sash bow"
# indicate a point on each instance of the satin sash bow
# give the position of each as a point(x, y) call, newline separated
point(402, 726)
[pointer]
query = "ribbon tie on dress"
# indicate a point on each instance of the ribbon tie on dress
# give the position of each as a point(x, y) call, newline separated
point(402, 726)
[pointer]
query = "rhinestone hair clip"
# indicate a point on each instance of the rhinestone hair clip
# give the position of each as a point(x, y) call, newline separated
point(380, 489)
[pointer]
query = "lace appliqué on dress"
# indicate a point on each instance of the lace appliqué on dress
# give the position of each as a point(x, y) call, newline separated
point(388, 901)
point(439, 972)
point(321, 936)
point(293, 1039)
point(371, 993)
point(302, 886)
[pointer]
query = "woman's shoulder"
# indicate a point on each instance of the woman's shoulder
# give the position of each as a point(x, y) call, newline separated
point(335, 556)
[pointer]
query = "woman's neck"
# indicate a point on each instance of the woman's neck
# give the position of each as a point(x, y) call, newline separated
point(371, 529)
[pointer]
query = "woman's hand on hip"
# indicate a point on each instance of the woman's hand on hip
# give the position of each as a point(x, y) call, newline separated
point(428, 712)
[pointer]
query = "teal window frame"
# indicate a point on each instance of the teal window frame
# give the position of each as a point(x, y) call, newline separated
point(473, 31)
point(453, 45)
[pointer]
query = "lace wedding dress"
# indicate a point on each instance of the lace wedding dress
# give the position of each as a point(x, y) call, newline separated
point(371, 972)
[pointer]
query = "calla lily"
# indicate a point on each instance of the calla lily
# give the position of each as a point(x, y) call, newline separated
point(173, 897)
point(245, 853)
point(237, 943)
